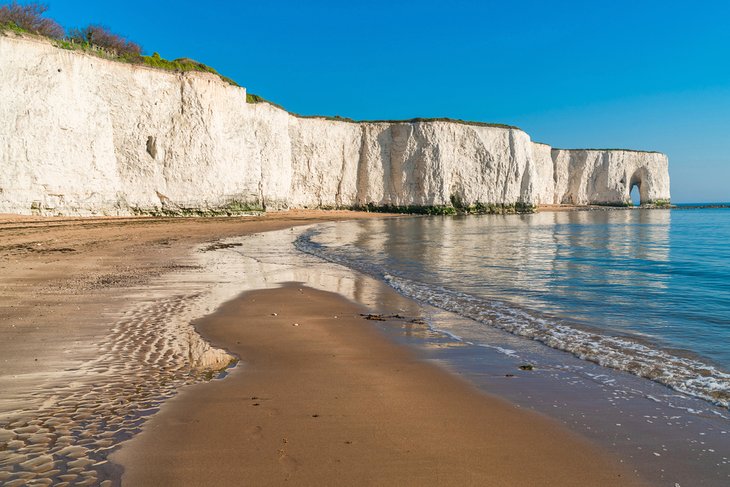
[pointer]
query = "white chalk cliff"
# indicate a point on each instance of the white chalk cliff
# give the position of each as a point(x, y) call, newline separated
point(81, 135)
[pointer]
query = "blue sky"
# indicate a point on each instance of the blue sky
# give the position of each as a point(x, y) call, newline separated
point(637, 74)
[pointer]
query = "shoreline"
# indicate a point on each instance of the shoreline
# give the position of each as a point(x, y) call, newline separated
point(330, 397)
point(161, 240)
point(667, 435)
point(94, 331)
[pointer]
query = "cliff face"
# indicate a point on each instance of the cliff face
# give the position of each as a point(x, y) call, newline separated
point(83, 135)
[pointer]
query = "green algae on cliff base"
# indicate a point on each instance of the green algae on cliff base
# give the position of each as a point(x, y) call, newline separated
point(233, 208)
point(659, 203)
point(474, 209)
point(652, 204)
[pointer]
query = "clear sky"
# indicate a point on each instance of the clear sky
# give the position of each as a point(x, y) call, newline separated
point(651, 75)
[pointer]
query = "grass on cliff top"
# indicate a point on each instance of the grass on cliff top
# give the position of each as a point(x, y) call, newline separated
point(182, 65)
point(251, 98)
point(612, 149)
point(444, 119)
point(13, 27)
point(29, 20)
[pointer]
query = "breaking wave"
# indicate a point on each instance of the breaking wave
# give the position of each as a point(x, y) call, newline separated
point(685, 374)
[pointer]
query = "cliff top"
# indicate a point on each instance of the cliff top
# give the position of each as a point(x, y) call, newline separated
point(116, 48)
point(411, 120)
point(155, 61)
point(613, 150)
point(186, 65)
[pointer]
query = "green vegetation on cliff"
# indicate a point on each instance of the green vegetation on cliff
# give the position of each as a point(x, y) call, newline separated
point(232, 208)
point(29, 19)
point(99, 41)
point(182, 65)
point(93, 39)
point(455, 208)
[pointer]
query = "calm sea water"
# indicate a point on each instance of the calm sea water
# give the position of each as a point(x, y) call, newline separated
point(645, 291)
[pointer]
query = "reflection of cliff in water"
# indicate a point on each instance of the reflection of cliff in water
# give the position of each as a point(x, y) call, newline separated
point(604, 286)
point(582, 266)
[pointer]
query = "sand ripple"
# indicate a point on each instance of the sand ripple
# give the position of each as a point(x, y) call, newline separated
point(151, 351)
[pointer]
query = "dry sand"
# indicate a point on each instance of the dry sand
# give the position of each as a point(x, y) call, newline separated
point(328, 402)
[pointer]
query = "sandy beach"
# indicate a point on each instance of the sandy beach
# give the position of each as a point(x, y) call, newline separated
point(327, 246)
point(76, 353)
point(328, 402)
point(60, 275)
point(323, 399)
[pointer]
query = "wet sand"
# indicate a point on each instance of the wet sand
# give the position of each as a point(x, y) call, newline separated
point(60, 276)
point(93, 332)
point(322, 398)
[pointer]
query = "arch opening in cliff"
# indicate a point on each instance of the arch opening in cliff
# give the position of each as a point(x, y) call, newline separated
point(635, 195)
point(636, 192)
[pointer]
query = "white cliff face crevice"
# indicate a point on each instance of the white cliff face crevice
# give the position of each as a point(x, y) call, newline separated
point(85, 136)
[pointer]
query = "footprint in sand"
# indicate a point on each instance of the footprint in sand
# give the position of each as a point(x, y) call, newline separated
point(288, 464)
point(256, 433)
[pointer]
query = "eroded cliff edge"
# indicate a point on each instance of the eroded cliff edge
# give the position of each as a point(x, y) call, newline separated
point(80, 135)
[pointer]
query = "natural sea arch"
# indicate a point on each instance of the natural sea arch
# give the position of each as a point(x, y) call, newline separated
point(636, 194)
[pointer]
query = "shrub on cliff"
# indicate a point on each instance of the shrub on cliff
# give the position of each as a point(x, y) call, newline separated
point(30, 18)
point(182, 65)
point(251, 98)
point(99, 36)
point(94, 39)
